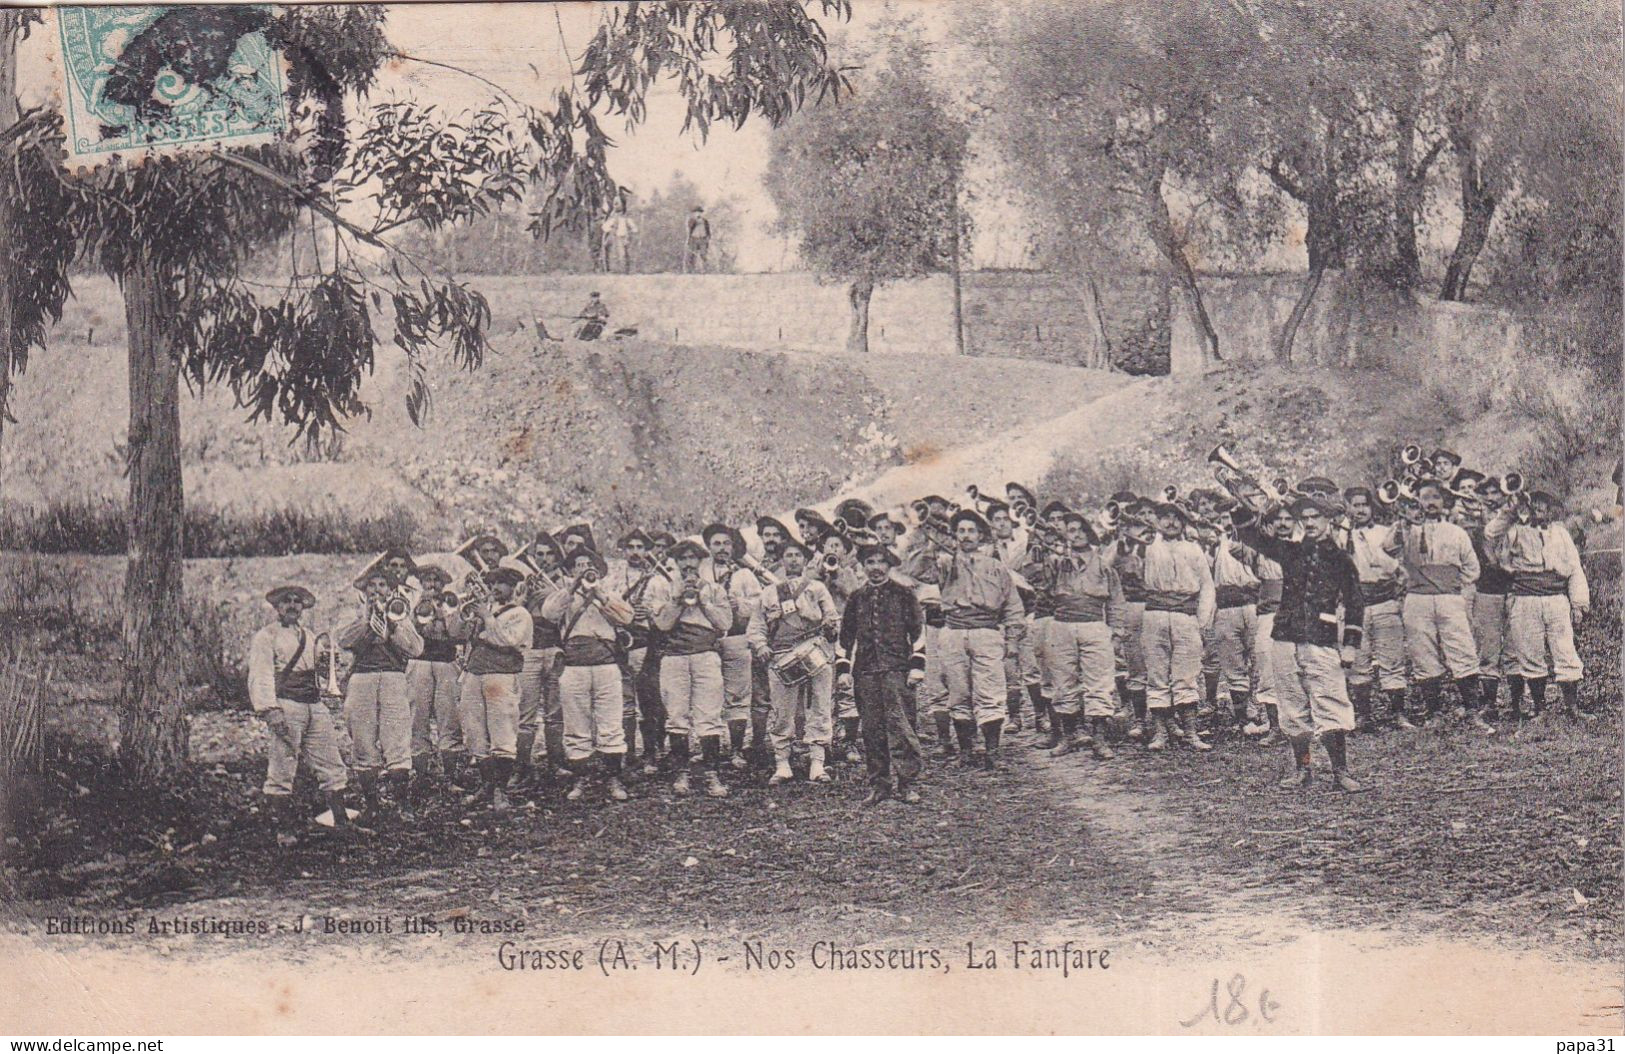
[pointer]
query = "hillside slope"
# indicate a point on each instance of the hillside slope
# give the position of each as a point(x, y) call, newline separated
point(618, 432)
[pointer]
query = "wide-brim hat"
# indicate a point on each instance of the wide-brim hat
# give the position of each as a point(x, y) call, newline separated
point(428, 572)
point(637, 534)
point(989, 508)
point(1013, 491)
point(1442, 453)
point(711, 530)
point(815, 525)
point(1053, 507)
point(468, 548)
point(581, 532)
point(397, 553)
point(878, 550)
point(886, 517)
point(374, 568)
point(507, 575)
point(281, 593)
point(974, 517)
point(769, 521)
point(591, 554)
point(1168, 508)
point(846, 543)
point(688, 548)
point(793, 544)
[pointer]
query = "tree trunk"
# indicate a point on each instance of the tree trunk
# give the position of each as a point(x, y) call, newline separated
point(1289, 332)
point(959, 302)
point(857, 340)
point(1477, 213)
point(153, 723)
point(1408, 183)
point(1162, 233)
point(9, 30)
point(1102, 355)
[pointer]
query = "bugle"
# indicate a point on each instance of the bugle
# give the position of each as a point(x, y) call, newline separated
point(831, 563)
point(978, 500)
point(1410, 454)
point(324, 642)
point(754, 566)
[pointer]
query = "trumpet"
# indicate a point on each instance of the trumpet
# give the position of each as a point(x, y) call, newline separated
point(1512, 484)
point(831, 563)
point(330, 687)
point(754, 566)
point(978, 500)
point(1170, 493)
point(537, 580)
point(921, 509)
point(397, 608)
point(1410, 454)
point(1243, 485)
point(691, 588)
point(1390, 491)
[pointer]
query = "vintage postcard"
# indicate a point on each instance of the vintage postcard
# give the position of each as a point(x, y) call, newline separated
point(811, 517)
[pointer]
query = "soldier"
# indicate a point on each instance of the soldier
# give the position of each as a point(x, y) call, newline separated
point(1318, 580)
point(1080, 638)
point(539, 707)
point(789, 614)
point(431, 684)
point(376, 706)
point(1235, 622)
point(497, 631)
point(644, 710)
point(284, 688)
point(692, 615)
point(590, 620)
point(1549, 594)
point(1136, 532)
point(722, 567)
point(1178, 603)
point(1266, 717)
point(1021, 676)
point(981, 611)
point(1382, 643)
point(1439, 565)
point(881, 661)
point(1491, 607)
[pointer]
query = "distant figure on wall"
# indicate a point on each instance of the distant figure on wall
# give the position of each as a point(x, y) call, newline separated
point(697, 247)
point(593, 317)
point(618, 232)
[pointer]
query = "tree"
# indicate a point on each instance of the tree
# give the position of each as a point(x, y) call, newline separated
point(870, 185)
point(178, 232)
point(1104, 111)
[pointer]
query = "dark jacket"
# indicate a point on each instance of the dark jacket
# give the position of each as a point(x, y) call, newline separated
point(1316, 578)
point(880, 630)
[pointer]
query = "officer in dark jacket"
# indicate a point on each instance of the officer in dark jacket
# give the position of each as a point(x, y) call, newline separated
point(1317, 578)
point(882, 659)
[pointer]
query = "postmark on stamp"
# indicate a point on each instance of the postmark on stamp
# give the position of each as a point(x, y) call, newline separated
point(156, 79)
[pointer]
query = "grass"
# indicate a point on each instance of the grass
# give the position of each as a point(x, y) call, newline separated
point(97, 526)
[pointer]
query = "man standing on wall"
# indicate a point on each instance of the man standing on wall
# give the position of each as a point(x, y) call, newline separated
point(697, 242)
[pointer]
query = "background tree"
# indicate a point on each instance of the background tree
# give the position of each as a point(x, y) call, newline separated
point(869, 185)
point(178, 233)
point(1104, 114)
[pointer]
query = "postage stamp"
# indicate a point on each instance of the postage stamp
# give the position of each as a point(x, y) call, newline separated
point(155, 79)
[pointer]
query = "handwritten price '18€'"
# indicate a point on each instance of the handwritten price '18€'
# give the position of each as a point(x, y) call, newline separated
point(1234, 1008)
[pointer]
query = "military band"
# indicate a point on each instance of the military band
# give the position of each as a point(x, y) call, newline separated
point(1243, 614)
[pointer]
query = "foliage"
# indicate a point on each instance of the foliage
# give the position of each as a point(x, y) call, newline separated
point(500, 242)
point(99, 526)
point(870, 185)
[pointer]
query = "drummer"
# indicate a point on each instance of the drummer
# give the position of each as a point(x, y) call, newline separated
point(796, 612)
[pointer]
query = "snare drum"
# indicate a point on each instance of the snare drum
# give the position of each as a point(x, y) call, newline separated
point(801, 663)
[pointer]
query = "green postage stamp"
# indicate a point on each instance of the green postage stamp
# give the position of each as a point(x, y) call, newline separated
point(142, 80)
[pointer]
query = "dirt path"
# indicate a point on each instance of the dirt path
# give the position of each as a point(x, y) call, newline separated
point(1402, 973)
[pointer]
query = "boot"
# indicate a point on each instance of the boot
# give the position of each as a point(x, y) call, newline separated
point(877, 794)
point(1537, 695)
point(1099, 747)
point(736, 744)
point(907, 793)
point(1060, 740)
point(965, 732)
point(815, 764)
point(945, 736)
point(1432, 701)
point(1193, 738)
point(1571, 701)
point(1041, 710)
point(282, 813)
point(341, 812)
point(1012, 707)
point(578, 779)
point(553, 739)
point(679, 762)
point(651, 747)
point(781, 770)
point(1240, 704)
point(1467, 691)
point(1272, 715)
point(1489, 697)
point(1336, 745)
point(1302, 774)
point(1515, 696)
point(853, 752)
point(1210, 688)
point(1059, 733)
point(990, 739)
point(711, 753)
point(501, 772)
point(713, 784)
point(372, 804)
point(524, 770)
point(422, 776)
point(1159, 740)
point(629, 735)
point(453, 769)
point(482, 791)
point(1396, 710)
point(1360, 696)
point(400, 793)
point(614, 764)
